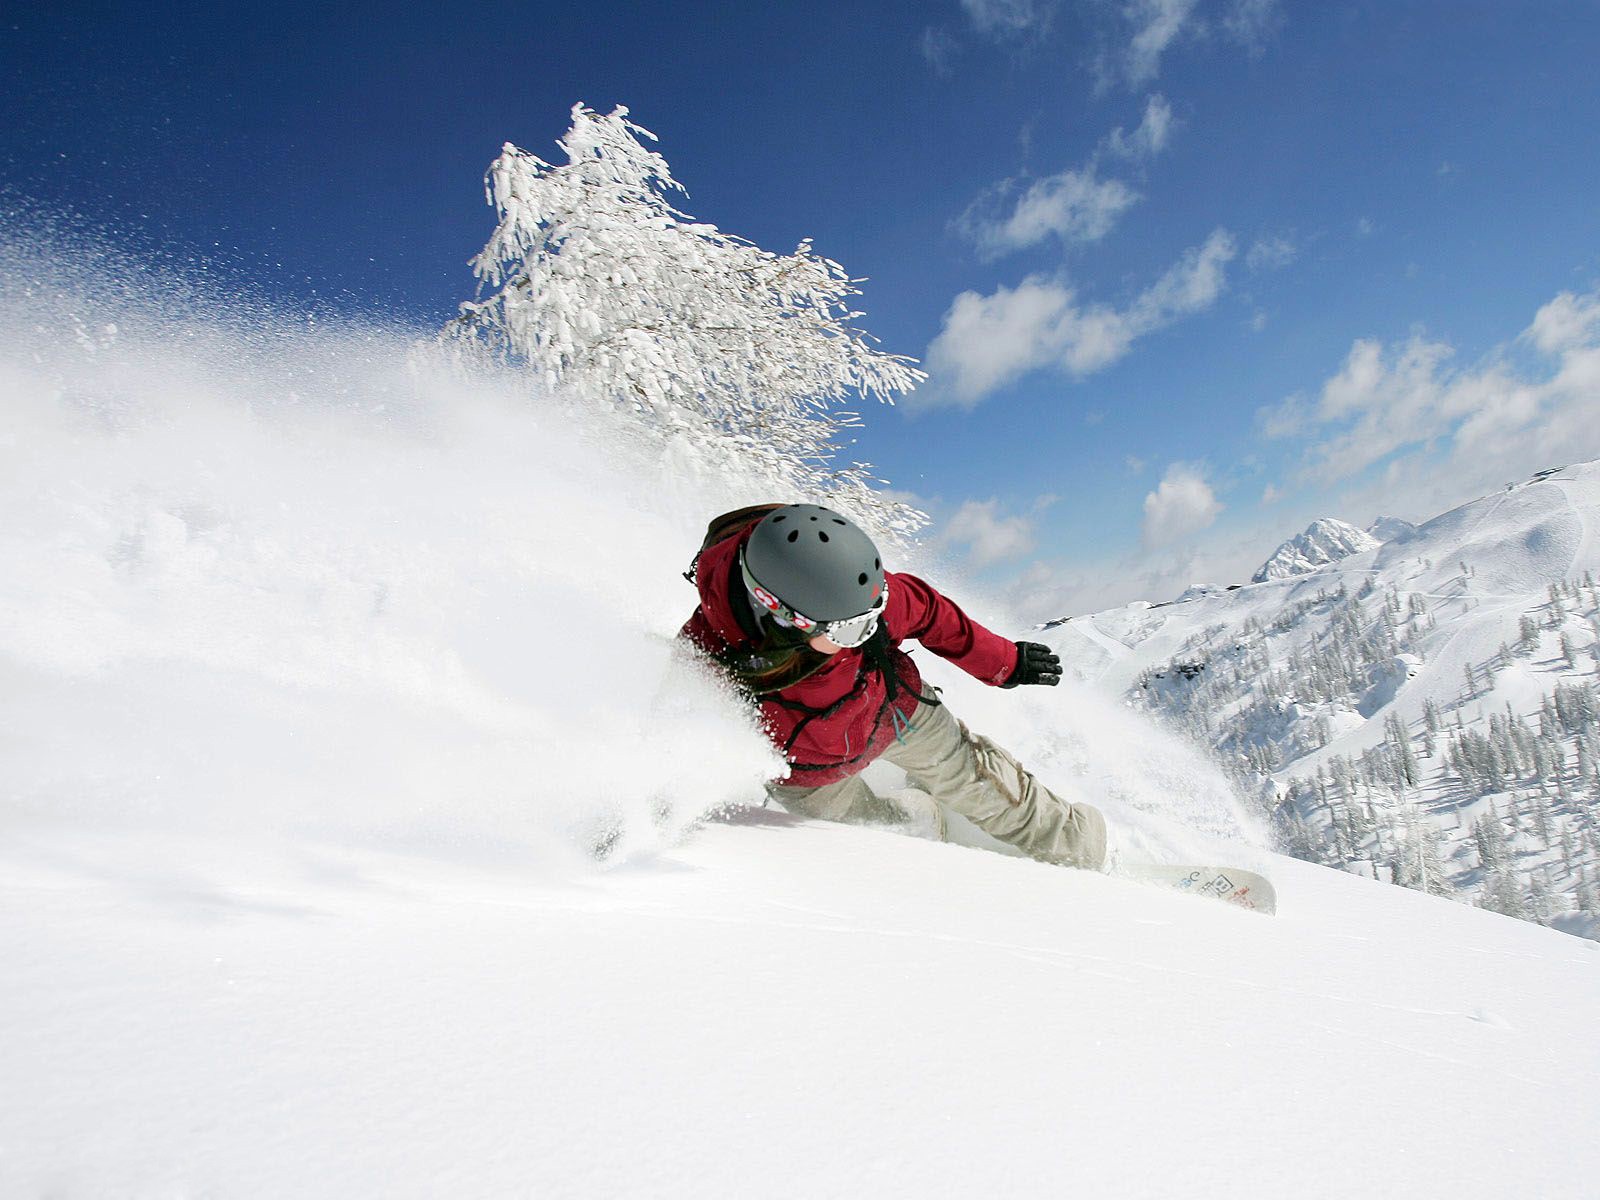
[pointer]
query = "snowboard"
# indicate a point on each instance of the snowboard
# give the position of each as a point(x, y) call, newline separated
point(1242, 889)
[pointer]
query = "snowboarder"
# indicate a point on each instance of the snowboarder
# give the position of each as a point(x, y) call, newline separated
point(796, 607)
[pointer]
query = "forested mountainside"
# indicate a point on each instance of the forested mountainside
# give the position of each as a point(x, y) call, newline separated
point(1425, 712)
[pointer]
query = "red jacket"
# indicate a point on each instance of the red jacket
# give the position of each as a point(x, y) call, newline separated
point(831, 724)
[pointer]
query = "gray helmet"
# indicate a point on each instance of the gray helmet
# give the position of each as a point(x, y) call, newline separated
point(818, 563)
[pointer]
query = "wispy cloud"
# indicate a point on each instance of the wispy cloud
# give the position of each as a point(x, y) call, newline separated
point(1151, 28)
point(1568, 323)
point(1379, 401)
point(1251, 22)
point(939, 49)
point(1445, 432)
point(1271, 252)
point(989, 341)
point(1151, 136)
point(1075, 206)
point(988, 535)
point(1182, 504)
point(1017, 23)
point(1010, 18)
point(1157, 24)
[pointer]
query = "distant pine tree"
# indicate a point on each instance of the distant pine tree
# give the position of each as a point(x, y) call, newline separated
point(1493, 849)
point(1502, 894)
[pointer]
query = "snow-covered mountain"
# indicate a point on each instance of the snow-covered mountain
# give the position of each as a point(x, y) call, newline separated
point(1391, 529)
point(1324, 541)
point(1426, 711)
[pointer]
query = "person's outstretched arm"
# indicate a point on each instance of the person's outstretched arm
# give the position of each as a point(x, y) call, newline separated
point(919, 610)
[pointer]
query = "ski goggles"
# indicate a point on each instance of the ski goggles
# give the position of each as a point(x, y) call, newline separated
point(848, 633)
point(853, 631)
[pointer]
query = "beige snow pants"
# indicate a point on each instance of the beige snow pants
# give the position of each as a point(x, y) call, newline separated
point(968, 774)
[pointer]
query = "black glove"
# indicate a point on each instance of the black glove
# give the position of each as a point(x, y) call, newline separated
point(1035, 664)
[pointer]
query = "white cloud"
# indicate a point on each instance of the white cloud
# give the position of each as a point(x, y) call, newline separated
point(1290, 418)
point(1568, 322)
point(1074, 205)
point(989, 341)
point(1451, 433)
point(1250, 22)
point(1150, 138)
point(1009, 18)
point(1151, 28)
point(988, 536)
point(1270, 494)
point(1365, 227)
point(1157, 24)
point(1382, 402)
point(1192, 284)
point(1271, 253)
point(1183, 504)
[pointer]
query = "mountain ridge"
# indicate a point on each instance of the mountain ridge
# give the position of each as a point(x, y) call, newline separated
point(1426, 711)
point(1325, 541)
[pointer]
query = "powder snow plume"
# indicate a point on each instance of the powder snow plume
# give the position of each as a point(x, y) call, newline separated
point(273, 576)
point(265, 574)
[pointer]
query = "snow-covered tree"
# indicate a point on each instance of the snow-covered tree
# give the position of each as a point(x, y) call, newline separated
point(1527, 634)
point(1503, 894)
point(1539, 903)
point(610, 294)
point(1569, 652)
point(1419, 862)
point(1493, 849)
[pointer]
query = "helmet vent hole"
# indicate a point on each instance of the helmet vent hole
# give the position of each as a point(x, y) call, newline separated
point(877, 565)
point(862, 579)
point(838, 520)
point(813, 518)
point(793, 533)
point(778, 518)
point(822, 535)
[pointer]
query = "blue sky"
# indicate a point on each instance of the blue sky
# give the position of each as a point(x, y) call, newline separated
point(1188, 273)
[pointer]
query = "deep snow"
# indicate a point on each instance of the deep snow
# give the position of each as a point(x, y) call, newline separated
point(773, 1008)
point(324, 672)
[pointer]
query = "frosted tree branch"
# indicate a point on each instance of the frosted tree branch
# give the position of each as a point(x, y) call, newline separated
point(605, 290)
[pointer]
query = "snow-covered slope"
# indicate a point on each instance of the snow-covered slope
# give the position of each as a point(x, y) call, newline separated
point(772, 1008)
point(1324, 541)
point(359, 837)
point(1424, 709)
point(1391, 529)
